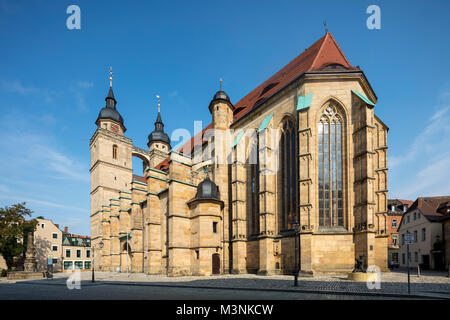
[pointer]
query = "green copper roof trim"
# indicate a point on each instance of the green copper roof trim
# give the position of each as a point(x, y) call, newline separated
point(125, 191)
point(163, 190)
point(115, 199)
point(265, 122)
point(156, 170)
point(304, 102)
point(116, 205)
point(138, 182)
point(139, 189)
point(152, 193)
point(105, 205)
point(238, 137)
point(125, 198)
point(158, 178)
point(363, 98)
point(124, 236)
point(186, 183)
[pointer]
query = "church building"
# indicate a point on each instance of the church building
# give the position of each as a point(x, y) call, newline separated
point(298, 184)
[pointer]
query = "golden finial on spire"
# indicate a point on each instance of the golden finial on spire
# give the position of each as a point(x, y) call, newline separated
point(159, 105)
point(220, 80)
point(110, 76)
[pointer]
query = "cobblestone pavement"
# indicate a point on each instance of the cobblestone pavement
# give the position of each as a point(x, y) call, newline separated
point(391, 282)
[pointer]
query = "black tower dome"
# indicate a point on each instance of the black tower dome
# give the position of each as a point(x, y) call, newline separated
point(158, 134)
point(109, 112)
point(207, 189)
point(221, 95)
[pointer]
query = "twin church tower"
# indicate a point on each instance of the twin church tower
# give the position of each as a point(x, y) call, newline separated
point(322, 206)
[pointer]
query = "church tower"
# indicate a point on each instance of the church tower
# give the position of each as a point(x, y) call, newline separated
point(158, 141)
point(221, 110)
point(111, 169)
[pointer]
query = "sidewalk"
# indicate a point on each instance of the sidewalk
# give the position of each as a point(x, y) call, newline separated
point(393, 285)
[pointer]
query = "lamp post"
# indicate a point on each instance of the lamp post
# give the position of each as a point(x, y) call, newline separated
point(295, 225)
point(93, 259)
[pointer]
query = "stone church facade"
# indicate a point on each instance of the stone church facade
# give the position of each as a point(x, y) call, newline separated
point(326, 195)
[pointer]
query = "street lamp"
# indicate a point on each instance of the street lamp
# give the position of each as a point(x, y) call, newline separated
point(93, 259)
point(296, 225)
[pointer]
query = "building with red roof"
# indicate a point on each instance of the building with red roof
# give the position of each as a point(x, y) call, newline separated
point(426, 220)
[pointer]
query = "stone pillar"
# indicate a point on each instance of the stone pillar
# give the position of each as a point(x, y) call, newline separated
point(157, 182)
point(307, 220)
point(139, 192)
point(268, 166)
point(30, 264)
point(179, 193)
point(364, 181)
point(239, 212)
point(124, 229)
point(114, 238)
point(105, 252)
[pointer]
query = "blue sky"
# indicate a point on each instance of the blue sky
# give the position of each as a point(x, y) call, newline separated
point(53, 81)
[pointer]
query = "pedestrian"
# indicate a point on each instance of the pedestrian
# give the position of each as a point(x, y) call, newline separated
point(392, 265)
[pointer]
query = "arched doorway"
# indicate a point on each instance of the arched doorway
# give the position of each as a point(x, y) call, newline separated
point(215, 263)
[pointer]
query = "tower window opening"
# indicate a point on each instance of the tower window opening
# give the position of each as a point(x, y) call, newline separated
point(115, 148)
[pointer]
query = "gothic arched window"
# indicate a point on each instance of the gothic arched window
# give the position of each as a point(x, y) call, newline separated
point(330, 168)
point(254, 186)
point(289, 175)
point(114, 151)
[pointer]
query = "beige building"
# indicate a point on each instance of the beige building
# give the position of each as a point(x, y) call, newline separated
point(77, 253)
point(424, 220)
point(446, 232)
point(304, 148)
point(48, 244)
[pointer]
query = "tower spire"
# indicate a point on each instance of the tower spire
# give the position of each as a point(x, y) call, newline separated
point(325, 26)
point(110, 76)
point(220, 80)
point(159, 103)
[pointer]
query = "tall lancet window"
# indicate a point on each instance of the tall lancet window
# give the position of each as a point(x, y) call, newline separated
point(289, 176)
point(330, 168)
point(254, 186)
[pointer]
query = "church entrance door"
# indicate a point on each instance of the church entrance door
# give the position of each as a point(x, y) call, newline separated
point(216, 263)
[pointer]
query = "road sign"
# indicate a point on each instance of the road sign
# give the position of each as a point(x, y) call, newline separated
point(409, 238)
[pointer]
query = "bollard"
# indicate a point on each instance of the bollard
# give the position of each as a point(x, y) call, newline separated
point(418, 271)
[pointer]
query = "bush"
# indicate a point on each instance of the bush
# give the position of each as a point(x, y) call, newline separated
point(4, 273)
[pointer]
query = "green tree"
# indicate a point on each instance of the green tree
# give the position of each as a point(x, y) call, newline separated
point(14, 228)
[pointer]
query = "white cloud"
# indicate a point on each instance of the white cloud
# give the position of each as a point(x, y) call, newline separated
point(34, 201)
point(173, 94)
point(25, 149)
point(17, 87)
point(78, 90)
point(427, 157)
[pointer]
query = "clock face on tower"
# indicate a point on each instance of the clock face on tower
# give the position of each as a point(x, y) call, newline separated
point(115, 128)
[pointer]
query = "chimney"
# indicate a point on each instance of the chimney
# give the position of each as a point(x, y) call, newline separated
point(57, 225)
point(66, 230)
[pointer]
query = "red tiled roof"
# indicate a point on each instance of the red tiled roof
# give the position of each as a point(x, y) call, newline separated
point(429, 206)
point(322, 53)
point(139, 178)
point(407, 202)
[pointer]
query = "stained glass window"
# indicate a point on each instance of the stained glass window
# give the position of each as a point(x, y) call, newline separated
point(289, 176)
point(330, 169)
